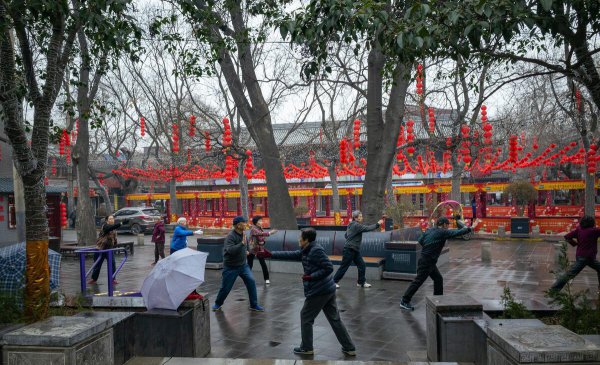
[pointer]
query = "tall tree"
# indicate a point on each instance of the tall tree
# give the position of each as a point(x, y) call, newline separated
point(223, 27)
point(45, 31)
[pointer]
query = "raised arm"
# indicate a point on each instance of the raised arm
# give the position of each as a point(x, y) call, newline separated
point(287, 255)
point(110, 227)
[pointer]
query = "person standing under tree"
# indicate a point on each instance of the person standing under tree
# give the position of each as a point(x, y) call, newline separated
point(351, 251)
point(234, 265)
point(158, 237)
point(585, 237)
point(256, 245)
point(432, 242)
point(319, 290)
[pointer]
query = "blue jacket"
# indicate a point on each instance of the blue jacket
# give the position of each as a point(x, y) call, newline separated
point(316, 264)
point(179, 240)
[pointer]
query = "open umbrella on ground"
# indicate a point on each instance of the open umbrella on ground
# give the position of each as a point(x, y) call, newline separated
point(173, 278)
point(12, 268)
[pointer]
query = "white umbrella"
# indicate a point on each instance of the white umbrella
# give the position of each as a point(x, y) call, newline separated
point(173, 279)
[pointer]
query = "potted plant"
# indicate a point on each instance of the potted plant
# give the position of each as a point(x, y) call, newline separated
point(522, 192)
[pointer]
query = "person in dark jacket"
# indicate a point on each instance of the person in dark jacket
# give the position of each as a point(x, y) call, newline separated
point(256, 242)
point(234, 265)
point(319, 290)
point(351, 251)
point(585, 237)
point(432, 242)
point(108, 228)
point(158, 237)
point(179, 238)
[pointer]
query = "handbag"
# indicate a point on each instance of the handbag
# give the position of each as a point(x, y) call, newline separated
point(104, 241)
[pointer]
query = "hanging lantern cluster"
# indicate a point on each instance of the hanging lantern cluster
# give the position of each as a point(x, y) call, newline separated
point(592, 158)
point(431, 120)
point(226, 135)
point(487, 127)
point(410, 136)
point(64, 142)
point(192, 131)
point(207, 141)
point(465, 151)
point(175, 137)
point(343, 151)
point(54, 167)
point(63, 215)
point(249, 165)
point(142, 126)
point(513, 149)
point(356, 134)
point(230, 168)
point(46, 181)
point(535, 143)
point(419, 80)
point(401, 142)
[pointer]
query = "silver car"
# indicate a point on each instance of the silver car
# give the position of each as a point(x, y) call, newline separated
point(140, 219)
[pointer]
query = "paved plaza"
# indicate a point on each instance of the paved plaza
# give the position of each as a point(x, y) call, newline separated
point(380, 329)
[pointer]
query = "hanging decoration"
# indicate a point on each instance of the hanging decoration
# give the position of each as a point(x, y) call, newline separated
point(63, 215)
point(226, 135)
point(53, 167)
point(431, 120)
point(142, 126)
point(175, 138)
point(343, 152)
point(207, 141)
point(249, 166)
point(410, 137)
point(68, 157)
point(356, 134)
point(513, 149)
point(192, 131)
point(419, 80)
point(189, 156)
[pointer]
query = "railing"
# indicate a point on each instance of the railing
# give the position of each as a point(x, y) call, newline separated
point(109, 268)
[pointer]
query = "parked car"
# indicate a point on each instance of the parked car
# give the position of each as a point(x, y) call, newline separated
point(141, 219)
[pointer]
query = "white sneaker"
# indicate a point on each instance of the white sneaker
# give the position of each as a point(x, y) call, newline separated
point(365, 285)
point(267, 282)
point(337, 286)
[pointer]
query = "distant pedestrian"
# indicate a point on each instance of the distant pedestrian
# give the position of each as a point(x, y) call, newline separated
point(180, 233)
point(432, 241)
point(351, 252)
point(158, 237)
point(319, 290)
point(73, 217)
point(585, 237)
point(107, 239)
point(234, 265)
point(257, 245)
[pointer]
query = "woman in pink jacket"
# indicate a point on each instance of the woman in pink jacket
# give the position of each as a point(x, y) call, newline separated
point(256, 245)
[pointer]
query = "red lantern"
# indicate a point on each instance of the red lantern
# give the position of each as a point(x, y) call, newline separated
point(142, 126)
point(207, 141)
point(419, 79)
point(192, 131)
point(249, 166)
point(68, 152)
point(226, 134)
point(67, 138)
point(431, 120)
point(63, 215)
point(356, 134)
point(410, 150)
point(54, 166)
point(175, 138)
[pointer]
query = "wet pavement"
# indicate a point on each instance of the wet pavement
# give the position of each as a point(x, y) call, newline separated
point(379, 328)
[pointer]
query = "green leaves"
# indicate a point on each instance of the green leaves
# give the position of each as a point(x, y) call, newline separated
point(546, 4)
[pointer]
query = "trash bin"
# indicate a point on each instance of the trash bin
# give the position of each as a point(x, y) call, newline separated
point(519, 227)
point(402, 256)
point(214, 246)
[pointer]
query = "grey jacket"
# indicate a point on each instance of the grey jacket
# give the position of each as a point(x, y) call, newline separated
point(234, 249)
point(354, 234)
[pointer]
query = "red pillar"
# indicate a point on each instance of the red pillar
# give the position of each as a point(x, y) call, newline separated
point(214, 207)
point(266, 207)
point(328, 206)
point(168, 211)
point(349, 205)
point(239, 207)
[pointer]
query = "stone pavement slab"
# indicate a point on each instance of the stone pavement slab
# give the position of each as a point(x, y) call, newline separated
point(192, 361)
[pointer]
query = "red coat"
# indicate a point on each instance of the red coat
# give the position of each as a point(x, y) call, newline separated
point(158, 234)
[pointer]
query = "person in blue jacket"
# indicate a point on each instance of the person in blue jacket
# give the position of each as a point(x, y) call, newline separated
point(179, 239)
point(319, 290)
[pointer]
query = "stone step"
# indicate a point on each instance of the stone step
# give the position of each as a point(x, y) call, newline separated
point(215, 361)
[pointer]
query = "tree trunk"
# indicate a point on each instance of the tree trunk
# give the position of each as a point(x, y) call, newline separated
point(456, 179)
point(381, 137)
point(103, 192)
point(335, 193)
point(86, 225)
point(19, 205)
point(243, 183)
point(389, 187)
point(71, 172)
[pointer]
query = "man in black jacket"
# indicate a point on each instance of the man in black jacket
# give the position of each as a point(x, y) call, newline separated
point(319, 290)
point(432, 242)
point(234, 265)
point(351, 251)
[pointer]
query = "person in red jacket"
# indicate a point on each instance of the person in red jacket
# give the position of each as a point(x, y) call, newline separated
point(585, 237)
point(158, 237)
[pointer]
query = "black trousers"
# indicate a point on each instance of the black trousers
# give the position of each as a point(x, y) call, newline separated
point(311, 309)
point(159, 250)
point(262, 262)
point(350, 256)
point(426, 268)
point(580, 264)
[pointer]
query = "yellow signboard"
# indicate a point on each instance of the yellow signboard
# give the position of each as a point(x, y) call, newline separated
point(561, 185)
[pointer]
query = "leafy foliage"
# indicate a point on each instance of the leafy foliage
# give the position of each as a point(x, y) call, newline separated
point(576, 312)
point(522, 191)
point(512, 309)
point(399, 210)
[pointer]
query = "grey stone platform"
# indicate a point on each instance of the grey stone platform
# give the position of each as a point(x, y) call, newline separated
point(61, 340)
point(215, 361)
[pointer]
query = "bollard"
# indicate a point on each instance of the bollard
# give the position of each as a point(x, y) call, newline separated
point(535, 232)
point(501, 231)
point(140, 239)
point(486, 252)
